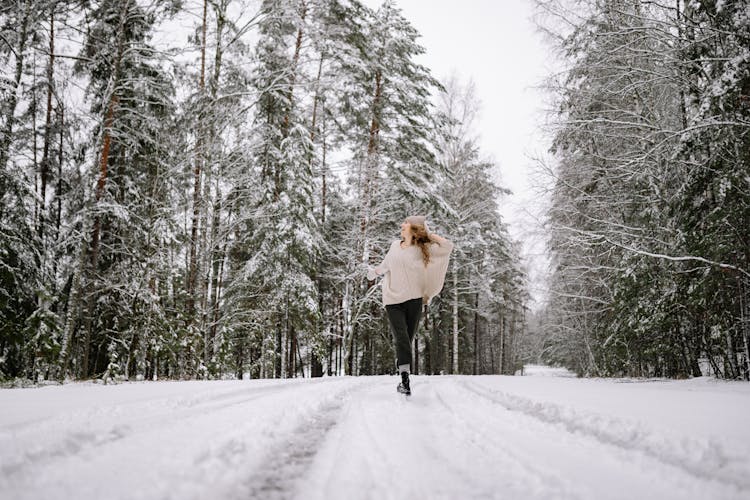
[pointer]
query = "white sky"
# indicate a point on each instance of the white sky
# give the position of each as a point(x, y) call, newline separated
point(495, 44)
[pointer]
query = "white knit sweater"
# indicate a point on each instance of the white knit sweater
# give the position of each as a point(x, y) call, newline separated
point(405, 275)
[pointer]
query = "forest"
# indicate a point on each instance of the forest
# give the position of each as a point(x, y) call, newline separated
point(649, 216)
point(194, 189)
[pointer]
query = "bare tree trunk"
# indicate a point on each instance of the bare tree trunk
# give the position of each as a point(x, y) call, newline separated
point(295, 62)
point(340, 338)
point(340, 356)
point(352, 353)
point(731, 356)
point(510, 347)
point(313, 129)
point(292, 363)
point(10, 116)
point(197, 175)
point(370, 167)
point(220, 10)
point(370, 173)
point(455, 317)
point(492, 348)
point(94, 249)
point(214, 254)
point(316, 367)
point(48, 124)
point(285, 340)
point(683, 110)
point(744, 322)
point(316, 98)
point(323, 168)
point(58, 193)
point(476, 334)
point(205, 248)
point(502, 343)
point(217, 297)
point(70, 316)
point(217, 268)
point(329, 369)
point(745, 336)
point(132, 348)
point(34, 146)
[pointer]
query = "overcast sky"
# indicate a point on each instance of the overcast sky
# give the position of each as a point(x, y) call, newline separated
point(495, 44)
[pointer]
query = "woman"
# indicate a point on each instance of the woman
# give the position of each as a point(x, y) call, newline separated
point(414, 271)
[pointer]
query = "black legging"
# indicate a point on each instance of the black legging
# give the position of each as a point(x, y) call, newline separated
point(404, 319)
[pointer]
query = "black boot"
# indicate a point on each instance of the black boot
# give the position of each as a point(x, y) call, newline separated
point(403, 387)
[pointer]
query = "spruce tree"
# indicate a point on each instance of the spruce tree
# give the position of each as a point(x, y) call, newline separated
point(131, 97)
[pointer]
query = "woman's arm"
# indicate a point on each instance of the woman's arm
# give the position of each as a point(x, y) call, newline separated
point(381, 268)
point(437, 239)
point(445, 246)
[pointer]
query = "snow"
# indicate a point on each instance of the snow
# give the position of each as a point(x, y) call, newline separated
point(546, 371)
point(533, 437)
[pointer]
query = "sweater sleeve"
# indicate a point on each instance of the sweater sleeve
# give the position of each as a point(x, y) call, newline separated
point(437, 268)
point(441, 249)
point(385, 266)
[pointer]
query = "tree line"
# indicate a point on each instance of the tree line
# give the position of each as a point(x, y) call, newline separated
point(650, 205)
point(194, 189)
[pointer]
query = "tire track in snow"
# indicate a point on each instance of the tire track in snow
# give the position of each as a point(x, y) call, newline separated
point(703, 459)
point(386, 448)
point(526, 476)
point(204, 454)
point(288, 460)
point(383, 458)
point(340, 466)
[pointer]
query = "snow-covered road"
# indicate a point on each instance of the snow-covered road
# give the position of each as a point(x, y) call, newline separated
point(350, 438)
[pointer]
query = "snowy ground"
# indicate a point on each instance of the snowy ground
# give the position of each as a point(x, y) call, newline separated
point(531, 437)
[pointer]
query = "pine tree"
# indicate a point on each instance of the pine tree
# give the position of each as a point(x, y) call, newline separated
point(713, 207)
point(31, 325)
point(281, 237)
point(132, 98)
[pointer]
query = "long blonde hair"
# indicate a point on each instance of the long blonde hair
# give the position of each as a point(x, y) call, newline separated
point(420, 238)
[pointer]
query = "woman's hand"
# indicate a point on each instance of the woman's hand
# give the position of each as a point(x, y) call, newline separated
point(372, 273)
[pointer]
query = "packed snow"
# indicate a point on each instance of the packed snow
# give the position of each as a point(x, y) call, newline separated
point(524, 437)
